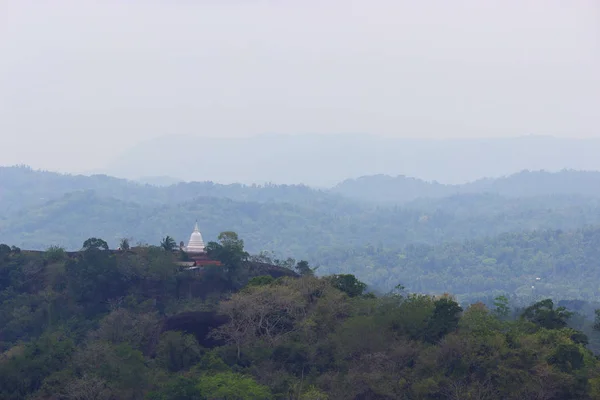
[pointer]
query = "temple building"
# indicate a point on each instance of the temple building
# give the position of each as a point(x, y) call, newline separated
point(196, 243)
point(196, 251)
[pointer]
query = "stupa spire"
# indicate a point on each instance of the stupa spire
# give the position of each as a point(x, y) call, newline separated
point(196, 243)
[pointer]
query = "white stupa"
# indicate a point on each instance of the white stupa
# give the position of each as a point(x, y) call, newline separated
point(196, 243)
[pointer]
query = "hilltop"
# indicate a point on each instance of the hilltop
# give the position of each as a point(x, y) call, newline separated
point(401, 189)
point(23, 187)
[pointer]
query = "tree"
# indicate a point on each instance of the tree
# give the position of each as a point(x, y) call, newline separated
point(287, 263)
point(140, 330)
point(122, 366)
point(177, 351)
point(168, 243)
point(55, 254)
point(179, 388)
point(232, 386)
point(502, 310)
point(94, 278)
point(95, 243)
point(596, 325)
point(266, 312)
point(302, 268)
point(348, 284)
point(445, 318)
point(230, 251)
point(88, 387)
point(545, 315)
point(262, 257)
point(4, 249)
point(124, 244)
point(313, 393)
point(261, 280)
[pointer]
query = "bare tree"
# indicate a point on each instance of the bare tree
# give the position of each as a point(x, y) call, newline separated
point(266, 312)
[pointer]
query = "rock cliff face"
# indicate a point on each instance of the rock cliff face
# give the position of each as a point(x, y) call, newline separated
point(258, 269)
point(197, 323)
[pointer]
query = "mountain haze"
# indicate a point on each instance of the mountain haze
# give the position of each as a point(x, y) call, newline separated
point(401, 189)
point(325, 160)
point(361, 226)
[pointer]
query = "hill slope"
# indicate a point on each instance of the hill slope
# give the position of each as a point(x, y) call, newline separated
point(22, 187)
point(567, 264)
point(297, 230)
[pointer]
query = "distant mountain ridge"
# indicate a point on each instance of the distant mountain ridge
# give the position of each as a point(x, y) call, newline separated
point(322, 160)
point(22, 187)
point(402, 189)
point(41, 186)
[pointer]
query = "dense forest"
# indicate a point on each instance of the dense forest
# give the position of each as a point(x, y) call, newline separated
point(131, 324)
point(523, 266)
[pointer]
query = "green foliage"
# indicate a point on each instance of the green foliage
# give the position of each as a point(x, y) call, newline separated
point(446, 315)
point(261, 280)
point(313, 393)
point(502, 310)
point(95, 243)
point(177, 351)
point(24, 368)
point(232, 386)
point(94, 278)
point(124, 244)
point(4, 250)
point(132, 325)
point(55, 254)
point(178, 388)
point(302, 268)
point(567, 357)
point(546, 316)
point(229, 249)
point(168, 243)
point(597, 320)
point(183, 255)
point(348, 284)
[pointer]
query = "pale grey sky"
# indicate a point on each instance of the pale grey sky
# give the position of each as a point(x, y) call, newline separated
point(82, 80)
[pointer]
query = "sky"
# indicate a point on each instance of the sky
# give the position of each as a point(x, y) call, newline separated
point(82, 81)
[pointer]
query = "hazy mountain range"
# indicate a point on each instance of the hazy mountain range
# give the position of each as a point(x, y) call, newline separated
point(359, 225)
point(325, 160)
point(42, 208)
point(402, 189)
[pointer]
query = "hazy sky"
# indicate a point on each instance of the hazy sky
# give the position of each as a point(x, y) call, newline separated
point(81, 80)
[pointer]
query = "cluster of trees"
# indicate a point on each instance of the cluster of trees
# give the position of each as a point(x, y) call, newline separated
point(107, 325)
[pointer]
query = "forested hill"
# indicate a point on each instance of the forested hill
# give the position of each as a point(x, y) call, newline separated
point(297, 230)
point(402, 189)
point(22, 187)
point(133, 325)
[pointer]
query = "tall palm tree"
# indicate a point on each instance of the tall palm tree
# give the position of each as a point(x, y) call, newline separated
point(168, 243)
